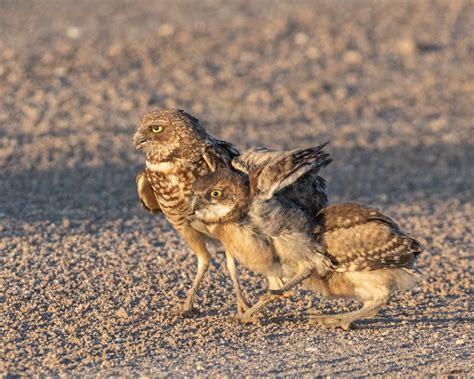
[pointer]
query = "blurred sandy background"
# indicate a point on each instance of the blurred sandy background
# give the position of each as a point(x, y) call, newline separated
point(88, 278)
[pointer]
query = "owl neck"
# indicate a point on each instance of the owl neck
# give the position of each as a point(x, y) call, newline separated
point(174, 154)
point(238, 214)
point(235, 216)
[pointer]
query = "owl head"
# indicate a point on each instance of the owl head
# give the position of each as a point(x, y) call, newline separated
point(169, 132)
point(221, 196)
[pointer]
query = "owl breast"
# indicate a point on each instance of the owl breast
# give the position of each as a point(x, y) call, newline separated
point(171, 183)
point(248, 247)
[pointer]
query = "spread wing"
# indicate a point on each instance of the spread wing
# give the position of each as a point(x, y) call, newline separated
point(253, 158)
point(361, 238)
point(283, 169)
point(145, 193)
point(219, 153)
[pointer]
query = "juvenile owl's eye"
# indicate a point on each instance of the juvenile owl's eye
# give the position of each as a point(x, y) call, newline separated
point(215, 193)
point(156, 128)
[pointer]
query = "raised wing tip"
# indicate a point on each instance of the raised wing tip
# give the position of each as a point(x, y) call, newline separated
point(324, 144)
point(240, 165)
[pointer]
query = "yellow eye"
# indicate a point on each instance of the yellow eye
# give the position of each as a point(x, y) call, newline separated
point(215, 194)
point(156, 128)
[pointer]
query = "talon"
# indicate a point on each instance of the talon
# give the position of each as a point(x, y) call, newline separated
point(346, 326)
point(241, 310)
point(272, 294)
point(289, 294)
point(248, 320)
point(276, 292)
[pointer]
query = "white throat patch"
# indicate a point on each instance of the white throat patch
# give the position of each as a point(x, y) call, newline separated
point(164, 167)
point(219, 210)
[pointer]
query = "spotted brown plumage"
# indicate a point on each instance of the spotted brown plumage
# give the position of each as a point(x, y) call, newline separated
point(178, 150)
point(371, 257)
point(360, 238)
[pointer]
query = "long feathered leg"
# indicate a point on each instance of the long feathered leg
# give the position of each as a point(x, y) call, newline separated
point(275, 294)
point(297, 279)
point(198, 246)
point(242, 305)
point(344, 320)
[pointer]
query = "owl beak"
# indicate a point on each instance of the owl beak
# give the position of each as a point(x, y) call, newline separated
point(139, 140)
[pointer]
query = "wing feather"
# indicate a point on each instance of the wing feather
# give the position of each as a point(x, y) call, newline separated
point(255, 157)
point(219, 154)
point(361, 238)
point(145, 193)
point(284, 169)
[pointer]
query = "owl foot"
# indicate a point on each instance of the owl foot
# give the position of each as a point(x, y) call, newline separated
point(242, 307)
point(330, 322)
point(242, 314)
point(186, 312)
point(248, 319)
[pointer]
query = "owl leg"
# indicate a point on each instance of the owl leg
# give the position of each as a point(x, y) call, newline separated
point(242, 305)
point(274, 294)
point(297, 279)
point(344, 320)
point(275, 283)
point(198, 246)
point(248, 318)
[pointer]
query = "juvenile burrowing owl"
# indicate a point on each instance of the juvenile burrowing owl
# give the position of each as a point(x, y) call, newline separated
point(178, 150)
point(346, 250)
point(256, 223)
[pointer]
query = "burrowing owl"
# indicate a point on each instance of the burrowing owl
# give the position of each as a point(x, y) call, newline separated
point(347, 250)
point(250, 216)
point(178, 150)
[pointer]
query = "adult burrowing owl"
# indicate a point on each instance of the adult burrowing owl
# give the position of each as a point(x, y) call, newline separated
point(346, 250)
point(178, 150)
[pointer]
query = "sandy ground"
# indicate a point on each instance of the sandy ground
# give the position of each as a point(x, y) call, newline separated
point(88, 279)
